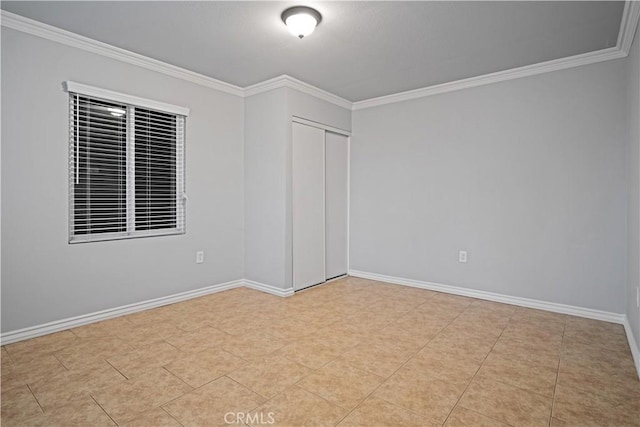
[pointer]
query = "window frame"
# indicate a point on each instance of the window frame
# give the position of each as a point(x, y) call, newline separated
point(132, 102)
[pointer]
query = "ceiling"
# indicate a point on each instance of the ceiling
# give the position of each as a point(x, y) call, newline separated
point(361, 50)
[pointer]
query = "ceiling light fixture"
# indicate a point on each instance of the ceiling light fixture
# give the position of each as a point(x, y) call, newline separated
point(301, 20)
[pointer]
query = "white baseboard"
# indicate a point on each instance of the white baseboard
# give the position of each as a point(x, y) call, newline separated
point(273, 290)
point(491, 296)
point(633, 345)
point(74, 322)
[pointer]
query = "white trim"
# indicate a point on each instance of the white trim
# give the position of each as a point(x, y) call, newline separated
point(491, 296)
point(39, 29)
point(307, 122)
point(635, 351)
point(629, 22)
point(123, 98)
point(500, 76)
point(628, 25)
point(273, 290)
point(293, 83)
point(85, 319)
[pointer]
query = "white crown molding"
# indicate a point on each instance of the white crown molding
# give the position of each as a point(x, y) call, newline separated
point(85, 319)
point(491, 296)
point(273, 290)
point(500, 76)
point(293, 83)
point(630, 17)
point(628, 25)
point(635, 351)
point(39, 29)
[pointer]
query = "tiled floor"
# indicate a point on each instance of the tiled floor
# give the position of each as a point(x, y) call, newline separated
point(351, 352)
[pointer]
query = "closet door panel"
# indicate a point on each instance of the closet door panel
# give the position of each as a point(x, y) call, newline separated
point(308, 206)
point(336, 188)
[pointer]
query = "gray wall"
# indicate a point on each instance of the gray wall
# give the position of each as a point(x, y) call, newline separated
point(265, 153)
point(268, 223)
point(633, 224)
point(528, 176)
point(43, 277)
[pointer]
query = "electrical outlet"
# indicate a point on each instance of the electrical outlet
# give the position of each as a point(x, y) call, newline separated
point(462, 256)
point(199, 257)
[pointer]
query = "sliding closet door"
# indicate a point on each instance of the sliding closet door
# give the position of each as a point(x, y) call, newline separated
point(308, 206)
point(336, 186)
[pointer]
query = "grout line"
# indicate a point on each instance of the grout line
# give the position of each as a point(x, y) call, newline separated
point(479, 367)
point(169, 414)
point(60, 361)
point(118, 370)
point(181, 380)
point(36, 399)
point(103, 410)
point(555, 387)
point(404, 363)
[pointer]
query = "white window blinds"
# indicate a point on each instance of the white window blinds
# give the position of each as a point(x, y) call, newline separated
point(126, 166)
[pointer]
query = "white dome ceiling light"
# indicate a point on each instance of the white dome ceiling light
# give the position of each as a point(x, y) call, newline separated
point(301, 20)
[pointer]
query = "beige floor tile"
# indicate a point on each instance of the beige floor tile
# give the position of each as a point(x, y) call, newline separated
point(457, 370)
point(106, 328)
point(153, 316)
point(125, 401)
point(540, 317)
point(149, 333)
point(527, 351)
point(461, 417)
point(289, 328)
point(534, 377)
point(70, 386)
point(599, 378)
point(422, 394)
point(40, 346)
point(455, 342)
point(423, 322)
point(395, 335)
point(371, 321)
point(140, 360)
point(429, 344)
point(83, 412)
point(481, 324)
point(270, 375)
point(341, 384)
point(310, 353)
point(340, 337)
point(155, 418)
point(198, 340)
point(575, 406)
point(90, 351)
point(441, 302)
point(377, 412)
point(208, 405)
point(534, 334)
point(22, 373)
point(296, 407)
point(197, 369)
point(18, 405)
point(506, 403)
point(253, 344)
point(379, 359)
point(192, 319)
point(394, 307)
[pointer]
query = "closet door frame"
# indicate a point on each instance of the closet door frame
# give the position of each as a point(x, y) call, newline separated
point(303, 121)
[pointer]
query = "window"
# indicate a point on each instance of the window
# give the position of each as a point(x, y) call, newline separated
point(126, 163)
